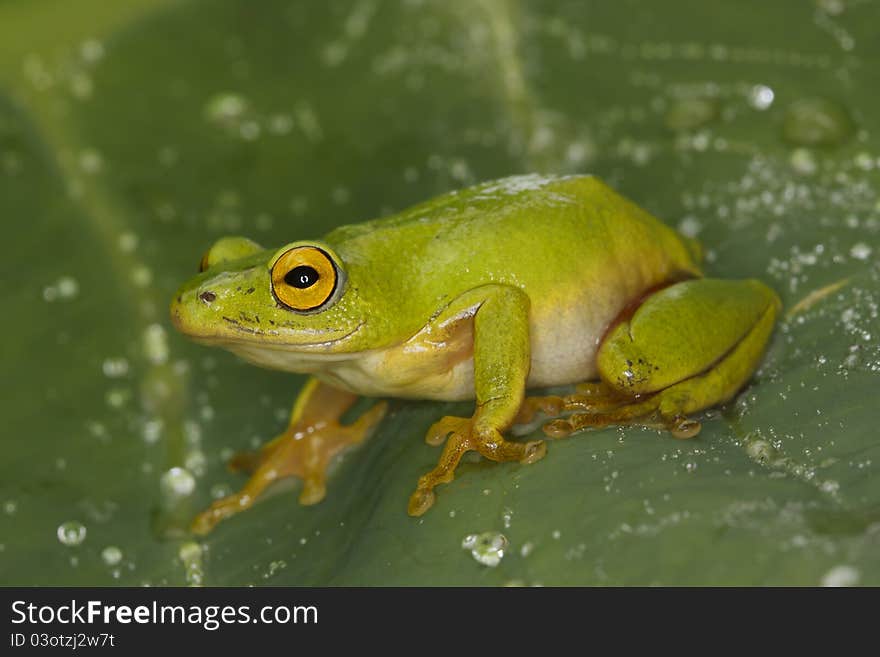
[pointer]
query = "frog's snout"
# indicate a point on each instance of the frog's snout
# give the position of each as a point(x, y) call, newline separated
point(184, 309)
point(175, 311)
point(181, 312)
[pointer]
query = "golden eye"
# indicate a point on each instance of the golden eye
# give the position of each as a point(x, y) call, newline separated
point(304, 278)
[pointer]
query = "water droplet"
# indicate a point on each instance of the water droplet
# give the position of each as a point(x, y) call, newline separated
point(860, 251)
point(111, 555)
point(65, 288)
point(196, 462)
point(190, 553)
point(803, 162)
point(115, 368)
point(816, 122)
point(308, 122)
point(280, 124)
point(249, 130)
point(274, 567)
point(841, 576)
point(487, 548)
point(178, 482)
point(156, 344)
point(91, 161)
point(81, 85)
point(829, 486)
point(690, 227)
point(128, 242)
point(117, 397)
point(68, 288)
point(219, 491)
point(91, 50)
point(36, 73)
point(334, 53)
point(831, 7)
point(761, 451)
point(864, 161)
point(141, 276)
point(579, 153)
point(226, 108)
point(761, 97)
point(71, 532)
point(152, 431)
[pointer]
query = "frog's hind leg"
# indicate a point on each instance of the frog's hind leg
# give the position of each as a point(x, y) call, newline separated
point(688, 347)
point(305, 450)
point(593, 404)
point(593, 396)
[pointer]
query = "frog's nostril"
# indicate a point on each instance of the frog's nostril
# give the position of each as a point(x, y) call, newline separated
point(208, 296)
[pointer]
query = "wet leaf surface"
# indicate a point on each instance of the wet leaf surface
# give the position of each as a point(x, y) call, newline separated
point(142, 131)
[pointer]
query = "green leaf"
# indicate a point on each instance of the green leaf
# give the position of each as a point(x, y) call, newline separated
point(133, 134)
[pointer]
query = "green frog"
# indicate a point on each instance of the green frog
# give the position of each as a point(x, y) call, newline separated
point(480, 294)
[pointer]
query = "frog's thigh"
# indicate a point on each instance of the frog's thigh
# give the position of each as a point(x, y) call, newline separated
point(705, 335)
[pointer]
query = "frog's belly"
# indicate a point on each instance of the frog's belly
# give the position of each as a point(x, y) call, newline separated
point(563, 351)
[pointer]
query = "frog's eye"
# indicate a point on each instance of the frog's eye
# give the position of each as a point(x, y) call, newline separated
point(304, 278)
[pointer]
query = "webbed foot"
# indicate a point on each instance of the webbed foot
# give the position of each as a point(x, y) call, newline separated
point(463, 435)
point(305, 450)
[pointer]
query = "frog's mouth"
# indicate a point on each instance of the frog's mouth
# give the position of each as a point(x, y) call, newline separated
point(270, 340)
point(239, 335)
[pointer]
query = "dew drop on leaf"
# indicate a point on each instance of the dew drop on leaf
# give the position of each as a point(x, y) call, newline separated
point(71, 533)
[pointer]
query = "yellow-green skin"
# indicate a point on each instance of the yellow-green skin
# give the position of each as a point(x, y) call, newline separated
point(523, 276)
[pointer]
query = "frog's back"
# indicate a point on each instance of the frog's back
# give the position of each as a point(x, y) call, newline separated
point(503, 201)
point(522, 230)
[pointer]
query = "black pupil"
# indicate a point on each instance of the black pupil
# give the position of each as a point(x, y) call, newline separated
point(301, 277)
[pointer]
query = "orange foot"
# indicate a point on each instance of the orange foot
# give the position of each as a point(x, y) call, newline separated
point(305, 450)
point(463, 435)
point(596, 405)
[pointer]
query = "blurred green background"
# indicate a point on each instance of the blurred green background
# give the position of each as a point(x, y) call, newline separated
point(134, 133)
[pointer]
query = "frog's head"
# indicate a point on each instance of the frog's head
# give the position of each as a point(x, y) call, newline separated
point(286, 309)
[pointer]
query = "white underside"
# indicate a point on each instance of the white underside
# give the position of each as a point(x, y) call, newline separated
point(563, 351)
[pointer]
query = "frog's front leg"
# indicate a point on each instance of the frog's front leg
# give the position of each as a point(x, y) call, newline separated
point(305, 450)
point(688, 347)
point(500, 316)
